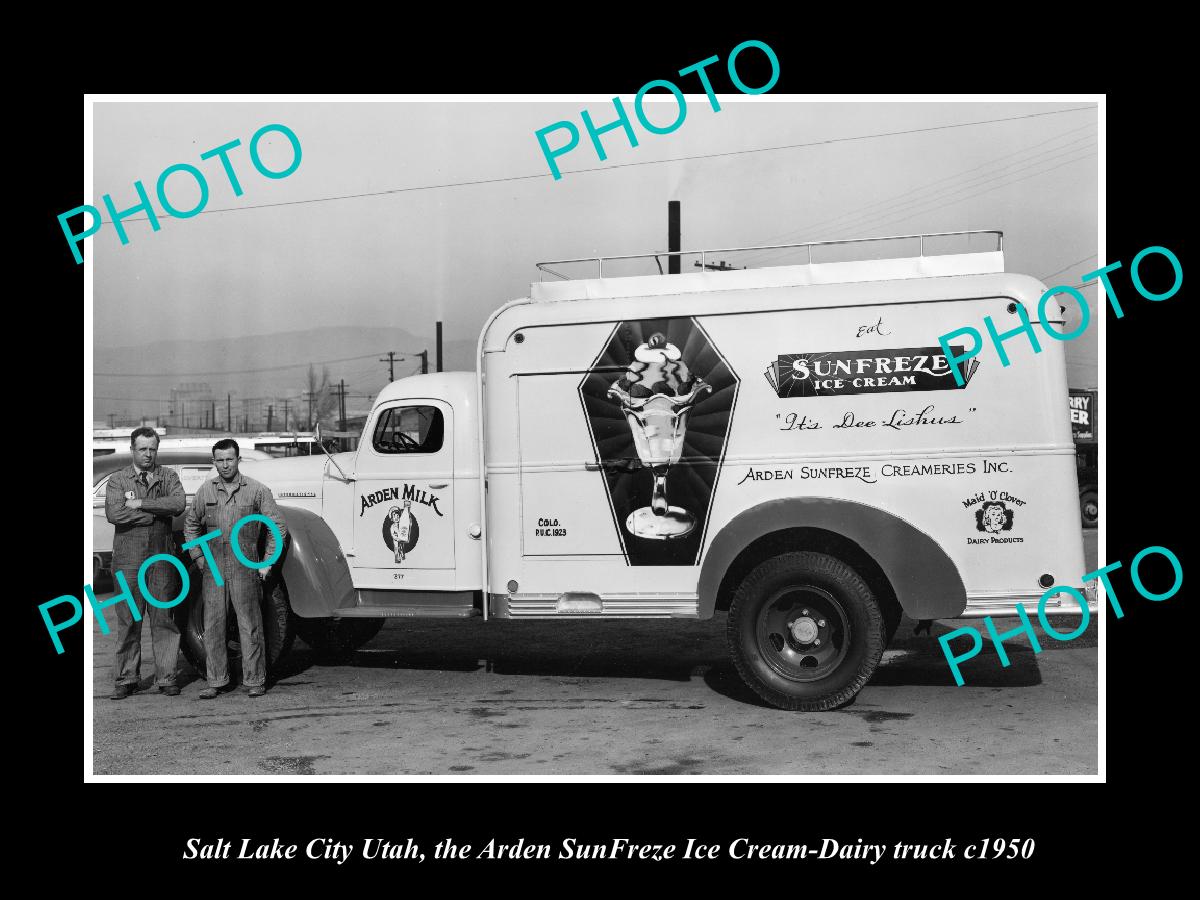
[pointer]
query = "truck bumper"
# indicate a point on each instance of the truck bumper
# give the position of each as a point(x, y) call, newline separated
point(1004, 603)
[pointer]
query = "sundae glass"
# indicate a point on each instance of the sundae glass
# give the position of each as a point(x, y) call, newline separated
point(657, 394)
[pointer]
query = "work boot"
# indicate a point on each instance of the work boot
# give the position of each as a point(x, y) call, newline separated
point(121, 691)
point(257, 691)
point(209, 693)
point(171, 690)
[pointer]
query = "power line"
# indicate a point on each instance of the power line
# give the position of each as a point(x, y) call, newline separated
point(646, 162)
point(983, 178)
point(860, 221)
point(1066, 267)
point(907, 207)
point(918, 212)
point(220, 372)
point(887, 219)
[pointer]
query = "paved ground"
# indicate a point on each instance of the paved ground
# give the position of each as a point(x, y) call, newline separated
point(565, 698)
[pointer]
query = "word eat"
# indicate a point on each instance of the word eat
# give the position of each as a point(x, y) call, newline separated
point(622, 120)
point(126, 597)
point(221, 152)
point(1026, 327)
point(1027, 627)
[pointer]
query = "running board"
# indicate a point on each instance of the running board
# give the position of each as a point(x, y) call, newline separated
point(406, 612)
point(590, 606)
point(382, 604)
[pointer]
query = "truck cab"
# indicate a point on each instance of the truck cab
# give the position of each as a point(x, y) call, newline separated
point(416, 471)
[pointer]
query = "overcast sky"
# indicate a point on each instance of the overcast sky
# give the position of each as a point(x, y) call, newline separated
point(456, 253)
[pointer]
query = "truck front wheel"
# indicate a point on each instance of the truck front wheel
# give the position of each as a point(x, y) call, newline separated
point(277, 621)
point(805, 631)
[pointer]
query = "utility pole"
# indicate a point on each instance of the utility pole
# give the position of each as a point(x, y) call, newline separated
point(110, 421)
point(342, 405)
point(424, 362)
point(439, 346)
point(673, 238)
point(270, 415)
point(391, 361)
point(212, 418)
point(228, 412)
point(310, 396)
point(285, 414)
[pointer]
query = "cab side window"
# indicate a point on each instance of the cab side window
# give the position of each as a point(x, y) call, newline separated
point(409, 429)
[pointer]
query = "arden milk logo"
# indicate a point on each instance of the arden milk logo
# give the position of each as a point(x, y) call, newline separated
point(863, 372)
point(407, 493)
point(401, 531)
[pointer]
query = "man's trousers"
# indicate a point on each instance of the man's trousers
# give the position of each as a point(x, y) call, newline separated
point(243, 591)
point(163, 583)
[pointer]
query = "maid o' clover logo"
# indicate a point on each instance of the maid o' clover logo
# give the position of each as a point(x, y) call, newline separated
point(993, 517)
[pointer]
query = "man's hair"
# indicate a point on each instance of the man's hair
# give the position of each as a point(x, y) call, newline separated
point(227, 444)
point(144, 431)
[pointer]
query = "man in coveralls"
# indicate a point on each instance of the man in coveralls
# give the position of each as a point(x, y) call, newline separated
point(220, 504)
point(140, 501)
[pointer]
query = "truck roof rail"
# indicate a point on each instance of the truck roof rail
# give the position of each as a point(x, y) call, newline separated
point(809, 245)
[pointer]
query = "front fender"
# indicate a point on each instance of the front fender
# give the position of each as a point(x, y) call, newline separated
point(314, 568)
point(927, 582)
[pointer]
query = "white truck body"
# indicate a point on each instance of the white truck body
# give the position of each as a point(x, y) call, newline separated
point(822, 411)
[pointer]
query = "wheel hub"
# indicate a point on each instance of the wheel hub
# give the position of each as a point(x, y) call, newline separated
point(804, 630)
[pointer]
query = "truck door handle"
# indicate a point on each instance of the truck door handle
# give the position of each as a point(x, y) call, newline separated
point(439, 486)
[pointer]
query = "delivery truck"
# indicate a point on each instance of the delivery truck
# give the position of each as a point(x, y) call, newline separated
point(785, 445)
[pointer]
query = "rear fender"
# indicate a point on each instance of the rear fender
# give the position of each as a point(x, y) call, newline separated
point(926, 581)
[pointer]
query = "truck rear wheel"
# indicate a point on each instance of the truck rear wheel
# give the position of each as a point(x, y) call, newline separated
point(337, 638)
point(277, 619)
point(805, 631)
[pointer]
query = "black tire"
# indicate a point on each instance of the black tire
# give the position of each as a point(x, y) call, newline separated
point(278, 626)
point(1089, 507)
point(805, 632)
point(336, 639)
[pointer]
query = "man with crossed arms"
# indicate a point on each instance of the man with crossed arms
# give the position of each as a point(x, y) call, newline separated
point(141, 501)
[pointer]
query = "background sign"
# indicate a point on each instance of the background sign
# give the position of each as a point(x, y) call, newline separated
point(1083, 415)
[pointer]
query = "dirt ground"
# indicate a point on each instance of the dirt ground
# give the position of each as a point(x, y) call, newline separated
point(430, 697)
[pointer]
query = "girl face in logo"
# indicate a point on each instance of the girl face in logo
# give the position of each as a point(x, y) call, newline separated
point(993, 518)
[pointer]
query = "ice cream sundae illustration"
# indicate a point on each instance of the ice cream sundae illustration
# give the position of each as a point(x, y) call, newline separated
point(657, 394)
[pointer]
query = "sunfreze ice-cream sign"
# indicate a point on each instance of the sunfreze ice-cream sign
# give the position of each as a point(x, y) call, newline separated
point(864, 372)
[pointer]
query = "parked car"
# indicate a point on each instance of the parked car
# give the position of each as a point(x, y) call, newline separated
point(192, 466)
point(1089, 497)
